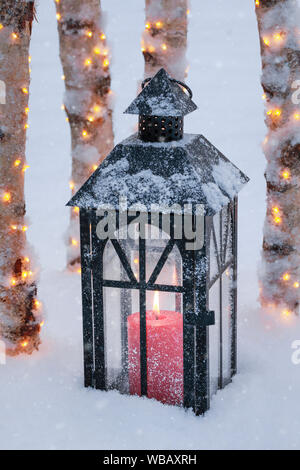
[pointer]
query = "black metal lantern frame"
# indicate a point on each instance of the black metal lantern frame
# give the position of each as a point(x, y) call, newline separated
point(197, 284)
point(189, 169)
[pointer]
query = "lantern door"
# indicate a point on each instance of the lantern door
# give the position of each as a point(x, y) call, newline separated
point(222, 296)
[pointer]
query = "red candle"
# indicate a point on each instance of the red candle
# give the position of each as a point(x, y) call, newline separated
point(164, 355)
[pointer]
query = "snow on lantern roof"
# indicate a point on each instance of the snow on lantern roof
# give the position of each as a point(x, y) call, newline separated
point(162, 97)
point(191, 170)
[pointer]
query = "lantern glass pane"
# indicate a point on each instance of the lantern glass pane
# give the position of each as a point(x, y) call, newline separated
point(113, 269)
point(227, 309)
point(119, 305)
point(214, 338)
point(171, 272)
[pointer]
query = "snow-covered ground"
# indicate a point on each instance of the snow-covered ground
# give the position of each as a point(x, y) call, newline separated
point(43, 402)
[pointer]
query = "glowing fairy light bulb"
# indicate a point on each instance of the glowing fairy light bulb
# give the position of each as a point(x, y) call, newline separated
point(26, 111)
point(13, 281)
point(63, 77)
point(164, 47)
point(286, 313)
point(277, 112)
point(14, 36)
point(25, 91)
point(76, 210)
point(159, 24)
point(286, 174)
point(6, 197)
point(25, 167)
point(257, 3)
point(278, 37)
point(296, 116)
point(102, 36)
point(1, 26)
point(91, 118)
point(74, 242)
point(37, 303)
point(84, 134)
point(58, 16)
point(17, 163)
point(42, 324)
point(136, 261)
point(24, 343)
point(14, 227)
point(286, 277)
point(105, 63)
point(296, 285)
point(24, 228)
point(88, 62)
point(24, 274)
point(89, 34)
point(95, 167)
point(266, 41)
point(79, 271)
point(97, 50)
point(72, 185)
point(147, 26)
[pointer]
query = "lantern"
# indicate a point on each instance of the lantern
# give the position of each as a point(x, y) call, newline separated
point(158, 224)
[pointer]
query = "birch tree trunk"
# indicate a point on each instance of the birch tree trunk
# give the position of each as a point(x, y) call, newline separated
point(164, 40)
point(278, 22)
point(84, 56)
point(19, 310)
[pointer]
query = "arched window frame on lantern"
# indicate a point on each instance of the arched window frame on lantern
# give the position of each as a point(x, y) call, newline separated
point(189, 170)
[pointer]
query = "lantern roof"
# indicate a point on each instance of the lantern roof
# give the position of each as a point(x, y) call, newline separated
point(163, 96)
point(189, 171)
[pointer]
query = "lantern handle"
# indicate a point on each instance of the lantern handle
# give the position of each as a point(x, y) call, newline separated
point(171, 80)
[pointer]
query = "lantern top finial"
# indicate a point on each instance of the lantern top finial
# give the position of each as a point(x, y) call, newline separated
point(163, 96)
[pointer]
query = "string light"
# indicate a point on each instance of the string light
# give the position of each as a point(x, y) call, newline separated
point(17, 163)
point(25, 91)
point(105, 63)
point(74, 242)
point(97, 50)
point(24, 343)
point(276, 215)
point(72, 185)
point(89, 34)
point(14, 36)
point(25, 167)
point(95, 167)
point(37, 303)
point(13, 281)
point(103, 37)
point(58, 16)
point(159, 24)
point(1, 26)
point(76, 210)
point(164, 47)
point(24, 228)
point(257, 3)
point(63, 77)
point(91, 118)
point(147, 25)
point(79, 270)
point(296, 285)
point(266, 41)
point(13, 227)
point(26, 111)
point(85, 134)
point(297, 116)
